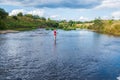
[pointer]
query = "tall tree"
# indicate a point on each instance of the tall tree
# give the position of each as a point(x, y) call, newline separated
point(98, 24)
point(20, 14)
point(3, 15)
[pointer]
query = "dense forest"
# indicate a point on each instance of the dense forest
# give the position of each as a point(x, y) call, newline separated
point(22, 22)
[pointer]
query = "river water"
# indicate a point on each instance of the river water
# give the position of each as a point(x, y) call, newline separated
point(74, 55)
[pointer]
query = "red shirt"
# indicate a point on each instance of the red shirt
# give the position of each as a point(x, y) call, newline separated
point(55, 32)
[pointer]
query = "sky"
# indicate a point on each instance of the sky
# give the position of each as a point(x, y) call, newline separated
point(78, 10)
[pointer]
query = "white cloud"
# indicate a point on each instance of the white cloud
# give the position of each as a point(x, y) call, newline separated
point(116, 15)
point(54, 16)
point(106, 17)
point(16, 11)
point(39, 12)
point(83, 18)
point(64, 18)
point(109, 4)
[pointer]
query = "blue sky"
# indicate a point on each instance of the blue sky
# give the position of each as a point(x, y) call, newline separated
point(82, 10)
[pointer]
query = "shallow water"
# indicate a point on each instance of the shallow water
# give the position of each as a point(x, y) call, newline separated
point(75, 55)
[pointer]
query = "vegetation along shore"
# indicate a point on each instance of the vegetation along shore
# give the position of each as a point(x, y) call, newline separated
point(22, 22)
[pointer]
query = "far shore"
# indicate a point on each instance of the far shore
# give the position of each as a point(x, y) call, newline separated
point(8, 31)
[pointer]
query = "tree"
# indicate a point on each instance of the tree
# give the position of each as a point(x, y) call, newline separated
point(63, 21)
point(36, 17)
point(29, 15)
point(15, 17)
point(49, 19)
point(52, 23)
point(71, 23)
point(3, 15)
point(2, 25)
point(98, 24)
point(20, 14)
point(110, 22)
point(43, 18)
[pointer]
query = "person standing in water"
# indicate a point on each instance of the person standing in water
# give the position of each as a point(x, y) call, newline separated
point(55, 33)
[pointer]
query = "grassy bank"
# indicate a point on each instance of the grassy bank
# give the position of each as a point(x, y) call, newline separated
point(111, 27)
point(22, 23)
point(25, 22)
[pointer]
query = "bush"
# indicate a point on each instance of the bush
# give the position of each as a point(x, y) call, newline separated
point(98, 24)
point(3, 14)
point(2, 25)
point(20, 14)
point(116, 27)
point(15, 17)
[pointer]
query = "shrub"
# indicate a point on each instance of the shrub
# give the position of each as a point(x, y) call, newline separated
point(15, 17)
point(20, 14)
point(2, 25)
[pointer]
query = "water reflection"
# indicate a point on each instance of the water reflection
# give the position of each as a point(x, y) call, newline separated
point(55, 42)
point(54, 47)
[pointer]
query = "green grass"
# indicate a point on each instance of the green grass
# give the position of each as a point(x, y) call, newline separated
point(24, 23)
point(111, 28)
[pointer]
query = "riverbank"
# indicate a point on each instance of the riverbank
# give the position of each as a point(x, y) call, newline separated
point(109, 27)
point(8, 31)
point(106, 33)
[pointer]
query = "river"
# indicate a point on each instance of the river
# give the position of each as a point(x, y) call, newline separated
point(74, 55)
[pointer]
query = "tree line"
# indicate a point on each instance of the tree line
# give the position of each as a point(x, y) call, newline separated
point(29, 22)
point(26, 21)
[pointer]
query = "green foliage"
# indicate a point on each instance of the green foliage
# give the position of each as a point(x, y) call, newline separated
point(83, 27)
point(29, 15)
point(15, 17)
point(52, 23)
point(36, 17)
point(71, 23)
point(49, 19)
point(22, 22)
point(2, 25)
point(20, 14)
point(43, 18)
point(116, 27)
point(3, 13)
point(110, 22)
point(29, 22)
point(98, 24)
point(78, 22)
